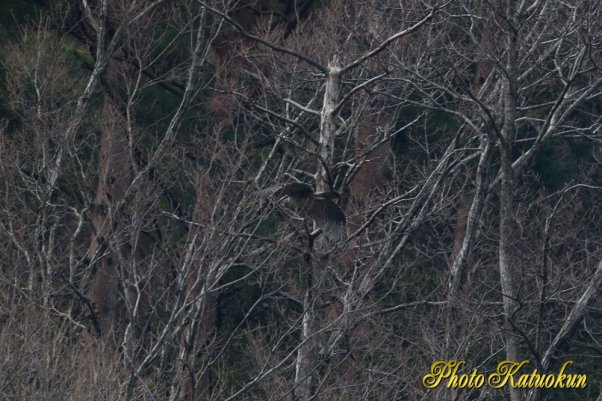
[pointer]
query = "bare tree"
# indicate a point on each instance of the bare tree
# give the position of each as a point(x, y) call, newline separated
point(141, 258)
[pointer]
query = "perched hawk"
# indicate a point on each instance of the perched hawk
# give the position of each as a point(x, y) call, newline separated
point(319, 206)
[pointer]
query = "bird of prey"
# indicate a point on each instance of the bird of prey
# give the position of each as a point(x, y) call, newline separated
point(317, 205)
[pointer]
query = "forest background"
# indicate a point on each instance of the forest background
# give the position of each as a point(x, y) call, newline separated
point(138, 260)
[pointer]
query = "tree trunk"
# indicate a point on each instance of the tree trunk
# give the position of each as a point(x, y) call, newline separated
point(307, 355)
point(509, 293)
point(114, 178)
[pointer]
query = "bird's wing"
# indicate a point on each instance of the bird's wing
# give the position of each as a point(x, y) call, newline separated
point(297, 189)
point(294, 190)
point(328, 195)
point(331, 219)
point(320, 207)
point(269, 192)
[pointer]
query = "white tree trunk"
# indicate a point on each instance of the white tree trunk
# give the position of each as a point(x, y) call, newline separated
point(307, 355)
